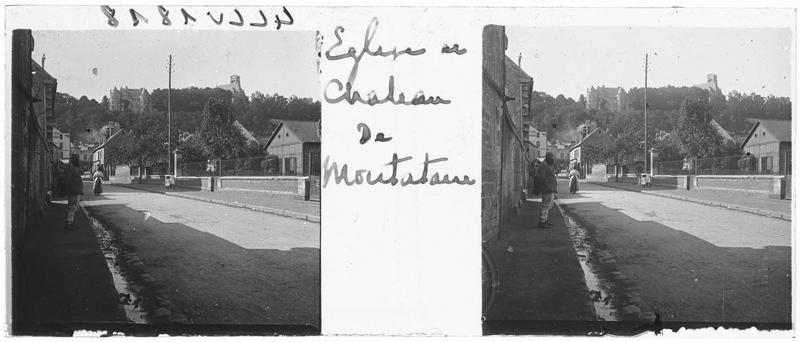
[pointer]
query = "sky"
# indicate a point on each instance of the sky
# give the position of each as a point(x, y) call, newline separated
point(568, 60)
point(282, 62)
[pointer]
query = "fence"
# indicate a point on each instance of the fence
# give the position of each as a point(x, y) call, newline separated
point(730, 165)
point(298, 164)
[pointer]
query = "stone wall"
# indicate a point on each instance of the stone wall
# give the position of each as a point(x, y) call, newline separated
point(768, 186)
point(32, 161)
point(503, 162)
point(764, 185)
point(296, 187)
point(191, 182)
point(494, 41)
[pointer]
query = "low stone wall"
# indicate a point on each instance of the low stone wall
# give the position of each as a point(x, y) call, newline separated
point(296, 187)
point(676, 182)
point(191, 182)
point(769, 186)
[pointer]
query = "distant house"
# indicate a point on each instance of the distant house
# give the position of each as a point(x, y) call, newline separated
point(297, 146)
point(84, 152)
point(726, 137)
point(248, 136)
point(61, 143)
point(770, 141)
point(99, 154)
point(560, 153)
point(577, 155)
point(537, 143)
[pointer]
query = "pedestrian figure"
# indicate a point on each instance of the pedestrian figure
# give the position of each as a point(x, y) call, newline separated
point(97, 187)
point(73, 186)
point(546, 183)
point(751, 163)
point(742, 163)
point(573, 179)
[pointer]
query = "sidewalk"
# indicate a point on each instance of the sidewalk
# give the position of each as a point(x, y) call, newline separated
point(65, 282)
point(272, 204)
point(741, 201)
point(540, 277)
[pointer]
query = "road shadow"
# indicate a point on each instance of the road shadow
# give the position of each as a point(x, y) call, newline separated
point(540, 280)
point(685, 278)
point(63, 281)
point(207, 282)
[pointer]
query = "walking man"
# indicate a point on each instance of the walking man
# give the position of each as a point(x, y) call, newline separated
point(548, 187)
point(73, 187)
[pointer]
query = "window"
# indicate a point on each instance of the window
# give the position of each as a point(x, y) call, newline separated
point(289, 166)
point(766, 165)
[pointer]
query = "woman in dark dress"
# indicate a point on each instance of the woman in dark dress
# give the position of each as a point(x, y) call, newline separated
point(98, 182)
point(573, 179)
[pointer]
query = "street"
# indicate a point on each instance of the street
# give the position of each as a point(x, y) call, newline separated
point(213, 264)
point(687, 261)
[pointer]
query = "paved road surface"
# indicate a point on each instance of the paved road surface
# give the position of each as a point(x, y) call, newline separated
point(688, 261)
point(215, 264)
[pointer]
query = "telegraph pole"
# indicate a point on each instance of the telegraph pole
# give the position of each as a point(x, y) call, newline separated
point(645, 113)
point(169, 118)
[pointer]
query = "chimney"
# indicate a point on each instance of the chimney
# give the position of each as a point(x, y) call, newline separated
point(43, 57)
point(519, 60)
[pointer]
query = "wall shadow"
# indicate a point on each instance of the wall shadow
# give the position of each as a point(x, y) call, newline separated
point(686, 278)
point(205, 280)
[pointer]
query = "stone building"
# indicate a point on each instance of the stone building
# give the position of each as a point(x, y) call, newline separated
point(710, 85)
point(136, 100)
point(506, 101)
point(613, 99)
point(32, 93)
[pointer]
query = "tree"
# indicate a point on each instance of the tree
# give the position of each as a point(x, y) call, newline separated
point(626, 134)
point(667, 146)
point(220, 138)
point(695, 135)
point(191, 148)
point(147, 142)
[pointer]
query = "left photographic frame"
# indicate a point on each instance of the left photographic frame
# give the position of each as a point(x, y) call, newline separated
point(165, 182)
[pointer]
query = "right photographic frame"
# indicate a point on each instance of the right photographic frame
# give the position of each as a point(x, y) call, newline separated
point(636, 178)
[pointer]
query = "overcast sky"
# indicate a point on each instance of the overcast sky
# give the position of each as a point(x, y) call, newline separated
point(568, 60)
point(281, 62)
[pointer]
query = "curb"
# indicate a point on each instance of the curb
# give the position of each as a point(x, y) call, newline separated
point(761, 212)
point(274, 211)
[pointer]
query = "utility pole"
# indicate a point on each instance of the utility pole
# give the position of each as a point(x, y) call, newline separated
point(169, 118)
point(645, 112)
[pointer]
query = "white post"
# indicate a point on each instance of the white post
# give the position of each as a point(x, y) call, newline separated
point(176, 164)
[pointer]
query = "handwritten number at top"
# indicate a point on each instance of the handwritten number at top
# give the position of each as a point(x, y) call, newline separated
point(260, 20)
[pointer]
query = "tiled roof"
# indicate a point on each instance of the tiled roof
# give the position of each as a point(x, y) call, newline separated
point(781, 129)
point(306, 131)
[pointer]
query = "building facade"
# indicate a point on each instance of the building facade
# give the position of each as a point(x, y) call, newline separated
point(560, 153)
point(84, 152)
point(613, 99)
point(505, 103)
point(538, 143)
point(590, 168)
point(32, 92)
point(136, 100)
point(296, 144)
point(62, 145)
point(770, 141)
